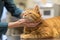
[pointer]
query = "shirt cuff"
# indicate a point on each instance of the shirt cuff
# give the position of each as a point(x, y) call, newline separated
point(3, 28)
point(3, 24)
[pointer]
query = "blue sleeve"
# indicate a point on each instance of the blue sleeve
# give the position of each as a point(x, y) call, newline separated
point(11, 7)
point(3, 28)
point(3, 24)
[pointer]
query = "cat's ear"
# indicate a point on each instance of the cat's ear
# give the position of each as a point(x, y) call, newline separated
point(36, 8)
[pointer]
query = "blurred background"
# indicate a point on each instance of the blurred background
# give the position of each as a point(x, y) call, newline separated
point(48, 9)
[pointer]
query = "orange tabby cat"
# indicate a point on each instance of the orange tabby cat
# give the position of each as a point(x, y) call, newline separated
point(47, 28)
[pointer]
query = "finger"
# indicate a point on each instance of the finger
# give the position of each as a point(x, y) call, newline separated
point(30, 25)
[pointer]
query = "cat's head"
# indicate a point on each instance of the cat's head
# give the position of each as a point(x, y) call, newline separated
point(32, 14)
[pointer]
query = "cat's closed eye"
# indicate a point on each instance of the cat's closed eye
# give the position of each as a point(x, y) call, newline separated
point(25, 15)
point(30, 13)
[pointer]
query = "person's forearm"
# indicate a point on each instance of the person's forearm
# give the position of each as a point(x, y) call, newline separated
point(11, 24)
point(14, 24)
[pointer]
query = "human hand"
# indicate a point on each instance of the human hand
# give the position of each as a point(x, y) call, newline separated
point(27, 23)
point(31, 24)
point(21, 20)
point(18, 23)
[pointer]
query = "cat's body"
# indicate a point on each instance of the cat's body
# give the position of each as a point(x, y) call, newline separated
point(47, 28)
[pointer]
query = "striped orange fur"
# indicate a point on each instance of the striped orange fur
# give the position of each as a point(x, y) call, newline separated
point(48, 28)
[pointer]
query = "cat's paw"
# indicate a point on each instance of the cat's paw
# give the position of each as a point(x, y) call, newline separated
point(28, 36)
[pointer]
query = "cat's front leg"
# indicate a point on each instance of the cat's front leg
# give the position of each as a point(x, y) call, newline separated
point(28, 37)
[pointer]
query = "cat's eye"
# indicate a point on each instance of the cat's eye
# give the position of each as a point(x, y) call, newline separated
point(29, 13)
point(25, 15)
point(38, 12)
